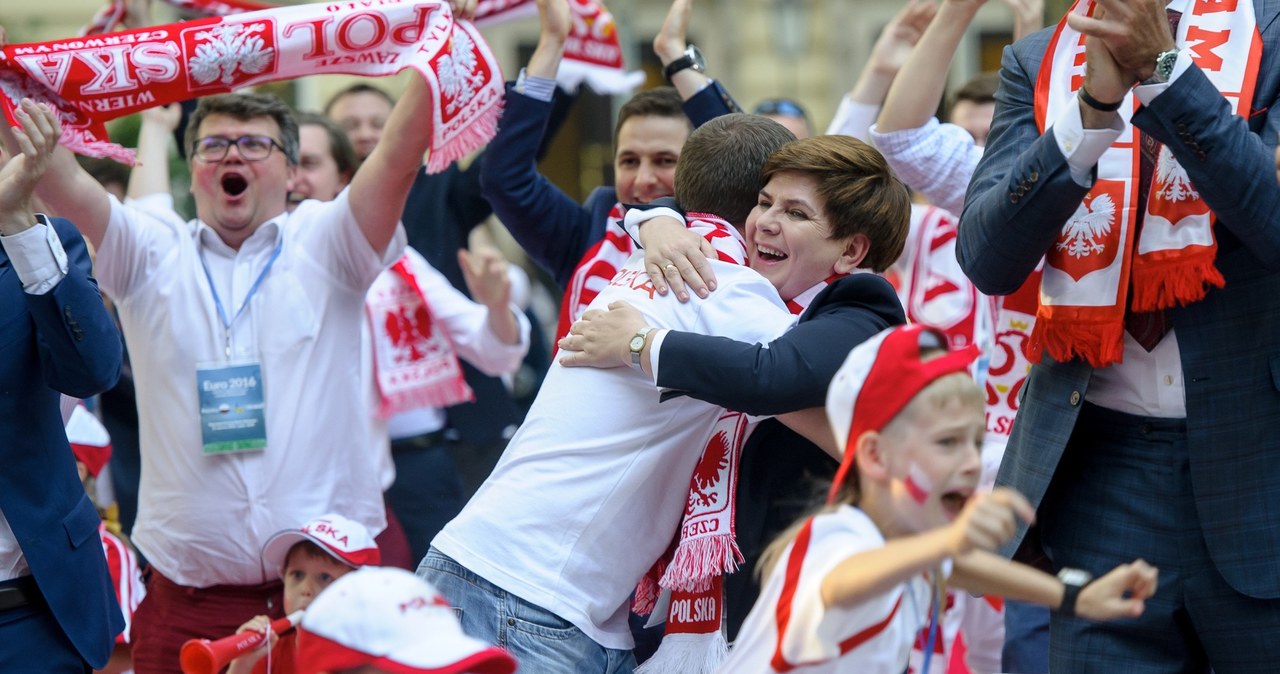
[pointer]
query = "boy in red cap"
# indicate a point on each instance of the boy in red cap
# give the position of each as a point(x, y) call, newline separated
point(853, 586)
point(389, 620)
point(309, 559)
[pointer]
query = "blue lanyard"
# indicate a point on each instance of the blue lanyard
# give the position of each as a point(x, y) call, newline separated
point(222, 312)
point(934, 628)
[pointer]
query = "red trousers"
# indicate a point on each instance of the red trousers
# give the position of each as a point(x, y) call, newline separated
point(170, 614)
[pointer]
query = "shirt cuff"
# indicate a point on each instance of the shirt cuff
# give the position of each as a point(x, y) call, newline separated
point(1148, 92)
point(853, 118)
point(1083, 147)
point(656, 346)
point(902, 140)
point(637, 216)
point(37, 256)
point(537, 88)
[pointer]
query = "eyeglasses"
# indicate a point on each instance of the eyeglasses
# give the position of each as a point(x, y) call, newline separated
point(252, 148)
point(780, 106)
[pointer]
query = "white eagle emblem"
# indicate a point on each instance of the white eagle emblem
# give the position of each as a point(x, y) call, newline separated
point(1087, 226)
point(1172, 180)
point(231, 47)
point(458, 77)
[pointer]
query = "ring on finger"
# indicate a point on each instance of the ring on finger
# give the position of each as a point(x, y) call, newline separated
point(671, 268)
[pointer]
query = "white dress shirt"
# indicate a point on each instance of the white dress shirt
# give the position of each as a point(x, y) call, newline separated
point(203, 519)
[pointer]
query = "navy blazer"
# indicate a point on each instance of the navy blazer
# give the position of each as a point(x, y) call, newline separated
point(553, 228)
point(1022, 193)
point(62, 341)
point(781, 475)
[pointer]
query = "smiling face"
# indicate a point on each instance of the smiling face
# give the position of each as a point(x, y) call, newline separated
point(932, 453)
point(234, 196)
point(308, 571)
point(362, 115)
point(789, 236)
point(644, 167)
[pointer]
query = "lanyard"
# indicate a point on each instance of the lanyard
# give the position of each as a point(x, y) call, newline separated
point(222, 312)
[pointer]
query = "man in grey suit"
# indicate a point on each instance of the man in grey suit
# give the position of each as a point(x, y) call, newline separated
point(1146, 434)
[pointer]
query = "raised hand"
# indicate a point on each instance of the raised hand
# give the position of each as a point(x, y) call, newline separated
point(672, 39)
point(988, 520)
point(601, 338)
point(1028, 16)
point(901, 34)
point(34, 142)
point(463, 9)
point(166, 117)
point(554, 19)
point(485, 271)
point(1119, 594)
point(1135, 32)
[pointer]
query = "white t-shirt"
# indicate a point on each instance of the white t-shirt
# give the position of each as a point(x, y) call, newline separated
point(591, 489)
point(874, 637)
point(203, 519)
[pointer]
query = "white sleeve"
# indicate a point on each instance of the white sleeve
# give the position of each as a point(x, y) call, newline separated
point(37, 257)
point(468, 323)
point(135, 243)
point(330, 235)
point(1083, 147)
point(815, 632)
point(638, 216)
point(936, 160)
point(853, 119)
point(742, 292)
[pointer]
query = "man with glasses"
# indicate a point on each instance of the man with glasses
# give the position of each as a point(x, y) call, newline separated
point(244, 326)
point(788, 113)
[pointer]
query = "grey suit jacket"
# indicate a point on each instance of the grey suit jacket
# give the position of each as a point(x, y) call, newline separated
point(1021, 195)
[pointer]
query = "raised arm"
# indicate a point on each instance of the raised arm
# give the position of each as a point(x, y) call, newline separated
point(918, 90)
point(151, 174)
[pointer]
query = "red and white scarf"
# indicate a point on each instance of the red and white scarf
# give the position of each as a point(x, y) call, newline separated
point(414, 362)
point(91, 80)
point(598, 266)
point(592, 50)
point(693, 570)
point(1088, 272)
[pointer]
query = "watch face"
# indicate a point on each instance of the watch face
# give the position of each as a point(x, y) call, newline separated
point(637, 343)
point(699, 63)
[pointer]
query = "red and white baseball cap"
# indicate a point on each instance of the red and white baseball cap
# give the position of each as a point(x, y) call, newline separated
point(348, 541)
point(89, 439)
point(879, 378)
point(392, 620)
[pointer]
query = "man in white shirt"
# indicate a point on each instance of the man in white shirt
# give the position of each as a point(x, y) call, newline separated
point(245, 330)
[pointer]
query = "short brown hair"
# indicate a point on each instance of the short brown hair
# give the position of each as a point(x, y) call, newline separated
point(981, 89)
point(344, 155)
point(659, 102)
point(245, 107)
point(719, 167)
point(358, 88)
point(859, 192)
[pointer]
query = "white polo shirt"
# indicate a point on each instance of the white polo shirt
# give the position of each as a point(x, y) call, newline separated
point(203, 519)
point(873, 637)
point(591, 489)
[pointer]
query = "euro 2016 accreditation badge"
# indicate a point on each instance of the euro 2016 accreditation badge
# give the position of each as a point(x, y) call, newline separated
point(232, 410)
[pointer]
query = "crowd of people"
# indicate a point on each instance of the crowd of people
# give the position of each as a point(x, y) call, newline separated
point(989, 394)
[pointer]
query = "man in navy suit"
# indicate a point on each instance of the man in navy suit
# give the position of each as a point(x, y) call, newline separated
point(58, 612)
point(1166, 450)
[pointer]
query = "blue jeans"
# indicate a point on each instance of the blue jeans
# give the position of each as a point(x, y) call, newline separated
point(542, 642)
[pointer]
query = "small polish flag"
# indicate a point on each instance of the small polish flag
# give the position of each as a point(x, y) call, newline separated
point(918, 484)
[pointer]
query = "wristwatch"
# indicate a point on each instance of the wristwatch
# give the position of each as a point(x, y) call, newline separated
point(692, 58)
point(1073, 580)
point(1165, 61)
point(636, 345)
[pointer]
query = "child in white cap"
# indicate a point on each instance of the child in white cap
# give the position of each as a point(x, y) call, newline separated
point(851, 588)
point(389, 620)
point(309, 559)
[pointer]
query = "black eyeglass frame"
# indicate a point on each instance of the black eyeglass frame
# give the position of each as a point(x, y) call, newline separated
point(226, 144)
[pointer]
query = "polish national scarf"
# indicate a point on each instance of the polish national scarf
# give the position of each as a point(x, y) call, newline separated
point(691, 575)
point(414, 361)
point(91, 80)
point(1088, 272)
point(592, 51)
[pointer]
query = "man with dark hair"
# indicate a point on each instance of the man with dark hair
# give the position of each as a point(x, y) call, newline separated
point(974, 105)
point(589, 492)
point(719, 169)
point(788, 113)
point(242, 324)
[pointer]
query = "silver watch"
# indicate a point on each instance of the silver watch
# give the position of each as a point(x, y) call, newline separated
point(1165, 61)
point(637, 345)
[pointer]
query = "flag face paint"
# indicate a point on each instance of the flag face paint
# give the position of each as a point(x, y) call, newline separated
point(918, 484)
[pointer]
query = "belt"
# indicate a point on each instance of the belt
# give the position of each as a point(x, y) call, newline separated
point(19, 592)
point(423, 441)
